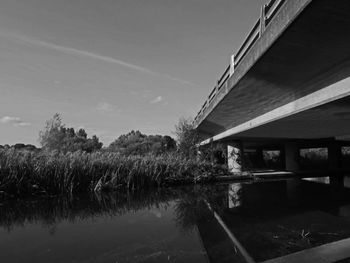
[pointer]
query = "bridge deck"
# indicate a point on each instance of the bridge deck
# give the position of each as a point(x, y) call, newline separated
point(302, 51)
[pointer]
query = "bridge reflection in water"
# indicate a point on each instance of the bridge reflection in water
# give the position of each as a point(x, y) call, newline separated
point(272, 219)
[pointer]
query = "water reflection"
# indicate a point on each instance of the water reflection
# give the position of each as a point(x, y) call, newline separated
point(269, 218)
point(294, 192)
point(234, 195)
point(51, 211)
point(275, 218)
point(322, 180)
point(120, 227)
point(347, 181)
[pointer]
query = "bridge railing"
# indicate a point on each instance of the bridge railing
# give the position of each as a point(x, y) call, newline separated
point(271, 9)
point(247, 44)
point(268, 12)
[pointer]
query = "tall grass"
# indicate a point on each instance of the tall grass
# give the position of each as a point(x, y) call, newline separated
point(28, 173)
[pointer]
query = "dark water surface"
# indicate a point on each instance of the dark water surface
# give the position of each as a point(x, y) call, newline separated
point(268, 218)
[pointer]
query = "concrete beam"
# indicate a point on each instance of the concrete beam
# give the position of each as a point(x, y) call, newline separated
point(292, 156)
point(334, 155)
point(323, 96)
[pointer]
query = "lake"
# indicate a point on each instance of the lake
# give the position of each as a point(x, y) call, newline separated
point(268, 219)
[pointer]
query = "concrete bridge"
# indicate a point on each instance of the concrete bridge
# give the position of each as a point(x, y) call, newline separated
point(288, 85)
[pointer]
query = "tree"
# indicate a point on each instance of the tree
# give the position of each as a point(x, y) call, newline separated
point(92, 144)
point(168, 143)
point(137, 143)
point(19, 146)
point(56, 136)
point(82, 133)
point(53, 134)
point(22, 146)
point(187, 137)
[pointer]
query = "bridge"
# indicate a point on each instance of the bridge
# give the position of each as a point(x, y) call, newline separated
point(288, 85)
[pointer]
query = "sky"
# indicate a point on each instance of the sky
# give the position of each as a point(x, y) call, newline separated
point(111, 66)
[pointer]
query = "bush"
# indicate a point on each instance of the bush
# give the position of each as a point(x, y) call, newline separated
point(136, 143)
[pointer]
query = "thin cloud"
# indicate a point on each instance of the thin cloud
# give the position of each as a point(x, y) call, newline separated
point(156, 100)
point(105, 107)
point(15, 121)
point(74, 51)
point(8, 119)
point(23, 124)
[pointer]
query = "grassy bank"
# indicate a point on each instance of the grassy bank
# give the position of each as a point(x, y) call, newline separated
point(41, 173)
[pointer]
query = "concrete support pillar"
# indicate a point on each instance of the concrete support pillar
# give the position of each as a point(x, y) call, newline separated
point(211, 152)
point(336, 178)
point(234, 157)
point(291, 156)
point(260, 158)
point(334, 156)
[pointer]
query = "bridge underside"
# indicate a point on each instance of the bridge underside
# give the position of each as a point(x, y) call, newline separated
point(330, 120)
point(296, 88)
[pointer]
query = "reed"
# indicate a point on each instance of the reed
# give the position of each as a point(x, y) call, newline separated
point(52, 173)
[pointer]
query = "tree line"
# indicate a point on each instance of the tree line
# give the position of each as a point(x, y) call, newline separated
point(55, 136)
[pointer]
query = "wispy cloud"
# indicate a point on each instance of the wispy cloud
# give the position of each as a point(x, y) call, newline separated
point(104, 107)
point(15, 121)
point(156, 100)
point(74, 51)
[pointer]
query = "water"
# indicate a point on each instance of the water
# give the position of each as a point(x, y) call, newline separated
point(268, 218)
